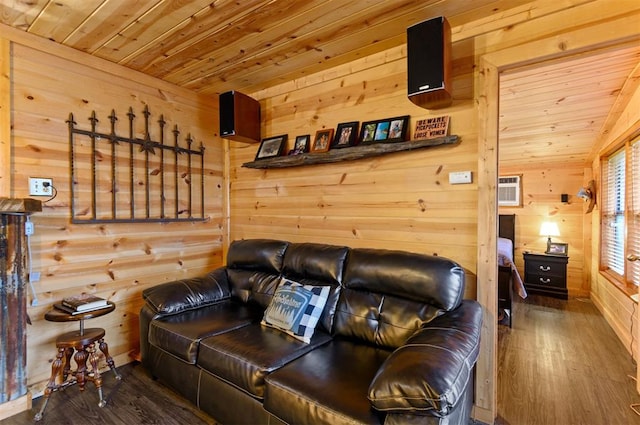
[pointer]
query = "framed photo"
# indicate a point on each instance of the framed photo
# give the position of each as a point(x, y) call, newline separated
point(322, 141)
point(271, 147)
point(368, 131)
point(346, 135)
point(398, 129)
point(301, 145)
point(556, 248)
point(382, 131)
point(386, 130)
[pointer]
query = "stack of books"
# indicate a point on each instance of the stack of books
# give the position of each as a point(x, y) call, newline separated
point(82, 303)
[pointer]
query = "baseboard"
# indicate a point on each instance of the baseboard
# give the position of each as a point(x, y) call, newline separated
point(482, 416)
point(16, 406)
point(621, 332)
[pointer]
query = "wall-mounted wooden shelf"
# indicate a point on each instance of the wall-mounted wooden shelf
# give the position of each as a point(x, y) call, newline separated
point(348, 154)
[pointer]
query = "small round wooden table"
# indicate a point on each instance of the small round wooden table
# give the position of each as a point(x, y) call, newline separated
point(82, 343)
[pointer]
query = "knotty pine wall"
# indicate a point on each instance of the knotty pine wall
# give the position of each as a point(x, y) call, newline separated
point(115, 261)
point(541, 190)
point(398, 201)
point(618, 308)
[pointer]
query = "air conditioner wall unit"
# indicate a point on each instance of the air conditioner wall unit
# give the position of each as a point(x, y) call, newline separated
point(510, 191)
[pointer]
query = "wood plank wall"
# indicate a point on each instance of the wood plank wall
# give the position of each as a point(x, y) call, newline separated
point(541, 190)
point(115, 261)
point(398, 201)
point(620, 311)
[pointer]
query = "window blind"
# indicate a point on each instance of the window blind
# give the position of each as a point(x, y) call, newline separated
point(633, 274)
point(613, 256)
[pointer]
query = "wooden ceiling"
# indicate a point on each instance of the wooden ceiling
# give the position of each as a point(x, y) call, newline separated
point(219, 45)
point(555, 111)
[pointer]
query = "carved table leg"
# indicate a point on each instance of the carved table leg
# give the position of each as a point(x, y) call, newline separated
point(97, 379)
point(51, 385)
point(67, 363)
point(105, 349)
point(81, 361)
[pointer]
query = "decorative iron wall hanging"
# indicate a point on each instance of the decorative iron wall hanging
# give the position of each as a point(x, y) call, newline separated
point(118, 179)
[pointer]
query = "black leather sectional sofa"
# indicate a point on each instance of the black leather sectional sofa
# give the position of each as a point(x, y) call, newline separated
point(396, 343)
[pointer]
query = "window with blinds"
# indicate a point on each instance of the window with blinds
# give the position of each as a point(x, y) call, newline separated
point(634, 216)
point(613, 213)
point(621, 213)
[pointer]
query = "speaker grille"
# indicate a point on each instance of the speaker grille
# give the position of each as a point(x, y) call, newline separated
point(429, 63)
point(425, 54)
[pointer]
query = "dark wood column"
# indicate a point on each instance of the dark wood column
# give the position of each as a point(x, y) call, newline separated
point(13, 296)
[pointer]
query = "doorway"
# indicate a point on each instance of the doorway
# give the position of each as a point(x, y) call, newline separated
point(490, 67)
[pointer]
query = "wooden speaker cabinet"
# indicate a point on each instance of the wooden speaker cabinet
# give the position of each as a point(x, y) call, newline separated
point(429, 63)
point(239, 117)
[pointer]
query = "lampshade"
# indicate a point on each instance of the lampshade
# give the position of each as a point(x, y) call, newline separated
point(549, 228)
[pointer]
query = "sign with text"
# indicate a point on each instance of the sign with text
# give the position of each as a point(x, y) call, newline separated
point(430, 128)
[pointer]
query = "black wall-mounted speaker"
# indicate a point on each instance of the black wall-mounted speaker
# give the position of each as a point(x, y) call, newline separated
point(239, 117)
point(429, 63)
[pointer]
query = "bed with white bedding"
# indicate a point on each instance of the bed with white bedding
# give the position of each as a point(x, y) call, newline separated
point(509, 280)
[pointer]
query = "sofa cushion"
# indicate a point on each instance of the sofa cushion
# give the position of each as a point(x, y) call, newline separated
point(326, 386)
point(257, 255)
point(254, 268)
point(188, 294)
point(296, 309)
point(429, 279)
point(243, 357)
point(379, 319)
point(180, 334)
point(431, 372)
point(253, 286)
point(320, 262)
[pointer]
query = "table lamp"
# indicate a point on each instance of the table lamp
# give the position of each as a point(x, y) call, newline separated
point(548, 229)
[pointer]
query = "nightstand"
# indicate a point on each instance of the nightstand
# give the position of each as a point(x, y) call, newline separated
point(546, 274)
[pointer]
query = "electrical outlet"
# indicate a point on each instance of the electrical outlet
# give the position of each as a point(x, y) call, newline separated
point(28, 228)
point(40, 187)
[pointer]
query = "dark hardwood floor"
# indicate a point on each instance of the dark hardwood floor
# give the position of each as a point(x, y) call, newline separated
point(137, 399)
point(562, 364)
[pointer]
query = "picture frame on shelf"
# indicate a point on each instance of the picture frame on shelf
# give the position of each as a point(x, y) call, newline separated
point(557, 248)
point(322, 141)
point(301, 145)
point(271, 147)
point(368, 131)
point(398, 128)
point(382, 131)
point(385, 130)
point(346, 135)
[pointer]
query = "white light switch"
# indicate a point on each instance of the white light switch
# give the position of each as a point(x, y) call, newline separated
point(460, 177)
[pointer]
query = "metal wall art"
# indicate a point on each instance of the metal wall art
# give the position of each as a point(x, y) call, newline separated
point(127, 179)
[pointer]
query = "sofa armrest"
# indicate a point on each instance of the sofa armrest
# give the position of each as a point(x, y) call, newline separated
point(429, 373)
point(188, 294)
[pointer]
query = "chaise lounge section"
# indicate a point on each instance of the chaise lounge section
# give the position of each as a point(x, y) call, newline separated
point(394, 340)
